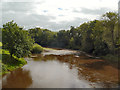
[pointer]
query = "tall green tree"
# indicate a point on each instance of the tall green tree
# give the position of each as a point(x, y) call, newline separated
point(63, 39)
point(43, 37)
point(110, 20)
point(16, 40)
point(87, 42)
point(100, 46)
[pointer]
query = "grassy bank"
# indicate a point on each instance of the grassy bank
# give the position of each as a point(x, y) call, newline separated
point(9, 63)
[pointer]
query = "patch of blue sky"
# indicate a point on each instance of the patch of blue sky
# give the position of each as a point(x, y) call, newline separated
point(45, 11)
point(60, 9)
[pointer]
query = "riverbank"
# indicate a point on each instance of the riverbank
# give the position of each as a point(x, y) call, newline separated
point(9, 63)
point(109, 58)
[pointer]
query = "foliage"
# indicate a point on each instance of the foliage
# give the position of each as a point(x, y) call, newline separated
point(71, 44)
point(37, 49)
point(10, 64)
point(98, 37)
point(112, 58)
point(16, 40)
point(43, 37)
point(0, 44)
point(100, 48)
point(110, 20)
point(62, 39)
point(87, 42)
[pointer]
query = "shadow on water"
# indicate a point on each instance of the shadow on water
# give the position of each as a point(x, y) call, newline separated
point(17, 79)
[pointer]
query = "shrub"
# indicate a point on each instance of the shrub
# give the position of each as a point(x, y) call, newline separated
point(100, 49)
point(10, 63)
point(111, 58)
point(37, 49)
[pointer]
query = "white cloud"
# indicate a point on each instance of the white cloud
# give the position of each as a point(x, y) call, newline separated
point(67, 8)
point(61, 10)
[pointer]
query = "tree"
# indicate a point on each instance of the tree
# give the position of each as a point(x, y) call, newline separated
point(72, 43)
point(0, 34)
point(87, 42)
point(110, 19)
point(63, 39)
point(16, 40)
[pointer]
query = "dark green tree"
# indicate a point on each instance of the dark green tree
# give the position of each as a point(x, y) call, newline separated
point(87, 41)
point(16, 40)
point(110, 19)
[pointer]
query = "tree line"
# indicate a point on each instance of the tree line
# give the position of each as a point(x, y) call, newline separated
point(98, 37)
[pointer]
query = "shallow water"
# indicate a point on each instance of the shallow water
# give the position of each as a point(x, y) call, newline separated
point(41, 74)
point(61, 69)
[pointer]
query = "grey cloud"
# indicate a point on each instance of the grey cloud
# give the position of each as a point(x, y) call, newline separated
point(19, 15)
point(60, 15)
point(45, 11)
point(17, 7)
point(92, 12)
point(33, 20)
point(23, 1)
point(65, 25)
point(27, 20)
point(17, 12)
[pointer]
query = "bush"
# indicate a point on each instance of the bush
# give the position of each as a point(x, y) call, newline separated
point(100, 49)
point(37, 49)
point(10, 63)
point(111, 58)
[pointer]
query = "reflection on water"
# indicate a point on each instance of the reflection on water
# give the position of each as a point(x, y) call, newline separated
point(62, 70)
point(41, 74)
point(17, 79)
point(53, 74)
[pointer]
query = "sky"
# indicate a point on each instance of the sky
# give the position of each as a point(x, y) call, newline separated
point(54, 14)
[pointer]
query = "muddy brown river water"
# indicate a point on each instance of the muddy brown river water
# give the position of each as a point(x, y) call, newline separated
point(62, 69)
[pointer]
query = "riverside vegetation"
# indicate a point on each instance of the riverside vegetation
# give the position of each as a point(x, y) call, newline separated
point(97, 37)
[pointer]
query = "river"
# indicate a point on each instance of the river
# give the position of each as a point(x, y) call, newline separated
point(62, 69)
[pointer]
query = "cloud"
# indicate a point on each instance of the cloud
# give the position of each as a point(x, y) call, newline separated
point(45, 11)
point(54, 14)
point(99, 11)
point(15, 7)
point(34, 20)
point(22, 0)
point(0, 13)
point(27, 20)
point(65, 25)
